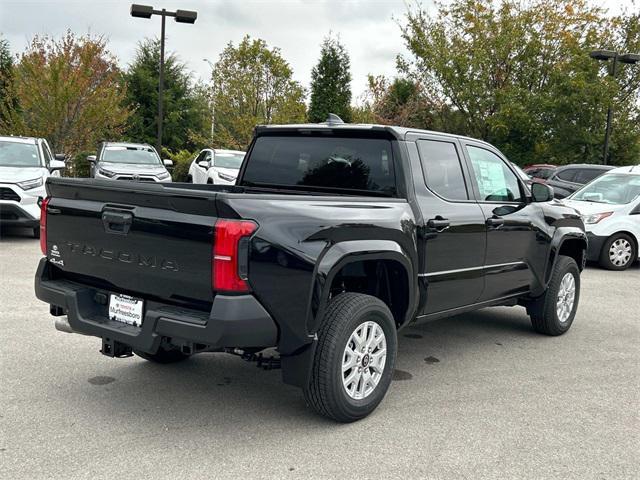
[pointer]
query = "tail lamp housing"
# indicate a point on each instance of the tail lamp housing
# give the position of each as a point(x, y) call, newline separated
point(43, 225)
point(230, 255)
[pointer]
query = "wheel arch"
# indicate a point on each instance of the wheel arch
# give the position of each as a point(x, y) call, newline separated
point(571, 242)
point(386, 257)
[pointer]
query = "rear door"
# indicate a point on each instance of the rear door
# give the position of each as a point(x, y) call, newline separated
point(508, 214)
point(452, 239)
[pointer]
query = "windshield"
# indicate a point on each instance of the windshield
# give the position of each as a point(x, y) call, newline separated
point(326, 163)
point(616, 189)
point(130, 154)
point(18, 154)
point(228, 160)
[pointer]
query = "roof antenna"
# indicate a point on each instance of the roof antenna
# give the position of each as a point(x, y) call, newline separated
point(333, 119)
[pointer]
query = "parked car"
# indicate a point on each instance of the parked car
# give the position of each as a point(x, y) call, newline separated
point(540, 171)
point(216, 166)
point(569, 178)
point(335, 237)
point(610, 207)
point(129, 161)
point(523, 175)
point(25, 164)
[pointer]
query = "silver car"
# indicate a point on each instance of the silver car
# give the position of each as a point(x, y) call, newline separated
point(129, 161)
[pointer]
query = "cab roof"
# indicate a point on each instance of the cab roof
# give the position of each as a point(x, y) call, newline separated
point(399, 133)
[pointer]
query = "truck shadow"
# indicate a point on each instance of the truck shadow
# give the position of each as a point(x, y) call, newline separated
point(220, 391)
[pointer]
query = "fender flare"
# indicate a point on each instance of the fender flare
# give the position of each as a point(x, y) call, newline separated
point(296, 368)
point(560, 236)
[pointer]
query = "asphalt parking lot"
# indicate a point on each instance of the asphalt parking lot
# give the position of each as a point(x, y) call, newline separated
point(475, 396)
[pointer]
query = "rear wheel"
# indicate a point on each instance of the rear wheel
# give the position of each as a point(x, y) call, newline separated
point(618, 252)
point(553, 312)
point(36, 232)
point(354, 358)
point(163, 356)
point(189, 179)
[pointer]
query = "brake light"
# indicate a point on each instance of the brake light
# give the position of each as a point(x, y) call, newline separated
point(229, 267)
point(43, 225)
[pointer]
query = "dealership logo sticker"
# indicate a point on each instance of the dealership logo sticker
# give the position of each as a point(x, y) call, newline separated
point(55, 252)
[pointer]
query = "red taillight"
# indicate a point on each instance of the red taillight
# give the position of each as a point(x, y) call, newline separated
point(43, 225)
point(228, 271)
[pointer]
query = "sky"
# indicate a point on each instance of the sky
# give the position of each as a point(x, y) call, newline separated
point(368, 29)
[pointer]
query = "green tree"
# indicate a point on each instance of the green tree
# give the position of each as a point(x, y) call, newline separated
point(331, 83)
point(67, 90)
point(186, 118)
point(6, 74)
point(252, 84)
point(518, 74)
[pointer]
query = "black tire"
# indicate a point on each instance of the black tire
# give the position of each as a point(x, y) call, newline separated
point(36, 232)
point(543, 310)
point(189, 179)
point(606, 262)
point(163, 356)
point(325, 392)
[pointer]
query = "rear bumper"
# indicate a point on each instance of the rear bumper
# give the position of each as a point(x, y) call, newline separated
point(234, 321)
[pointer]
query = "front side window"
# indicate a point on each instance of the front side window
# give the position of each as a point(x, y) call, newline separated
point(131, 154)
point(322, 163)
point(587, 174)
point(18, 154)
point(442, 169)
point(496, 182)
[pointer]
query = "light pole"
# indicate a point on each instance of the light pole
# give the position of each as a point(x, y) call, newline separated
point(181, 16)
point(212, 104)
point(605, 56)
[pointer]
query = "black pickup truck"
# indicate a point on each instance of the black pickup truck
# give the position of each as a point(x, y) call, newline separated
point(335, 237)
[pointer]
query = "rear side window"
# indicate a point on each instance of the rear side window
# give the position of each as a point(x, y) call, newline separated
point(327, 162)
point(544, 173)
point(585, 175)
point(442, 169)
point(567, 175)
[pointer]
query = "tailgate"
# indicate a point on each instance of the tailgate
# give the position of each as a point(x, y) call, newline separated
point(143, 240)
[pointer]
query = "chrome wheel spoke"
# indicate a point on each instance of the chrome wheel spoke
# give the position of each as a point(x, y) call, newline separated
point(566, 297)
point(363, 360)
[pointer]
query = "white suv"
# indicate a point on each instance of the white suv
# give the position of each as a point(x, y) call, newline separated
point(25, 164)
point(216, 166)
point(610, 208)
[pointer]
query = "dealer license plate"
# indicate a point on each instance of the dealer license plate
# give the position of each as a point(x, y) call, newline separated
point(126, 309)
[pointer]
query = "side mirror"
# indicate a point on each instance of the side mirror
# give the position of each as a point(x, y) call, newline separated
point(60, 156)
point(204, 164)
point(91, 158)
point(167, 163)
point(56, 165)
point(541, 192)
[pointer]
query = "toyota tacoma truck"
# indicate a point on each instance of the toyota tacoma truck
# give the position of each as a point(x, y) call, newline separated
point(335, 238)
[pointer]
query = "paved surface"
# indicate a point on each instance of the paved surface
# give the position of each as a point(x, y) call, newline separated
point(475, 396)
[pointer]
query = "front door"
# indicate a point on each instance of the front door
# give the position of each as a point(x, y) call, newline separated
point(511, 236)
point(200, 172)
point(453, 233)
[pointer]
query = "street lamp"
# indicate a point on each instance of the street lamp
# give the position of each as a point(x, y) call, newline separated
point(212, 104)
point(181, 16)
point(605, 56)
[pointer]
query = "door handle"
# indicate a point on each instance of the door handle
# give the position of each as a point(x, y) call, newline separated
point(495, 222)
point(439, 224)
